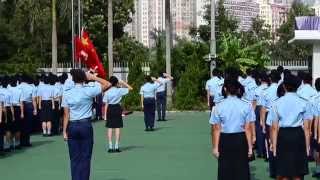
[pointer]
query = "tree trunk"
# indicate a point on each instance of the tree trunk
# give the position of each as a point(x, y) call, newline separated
point(110, 38)
point(168, 49)
point(54, 38)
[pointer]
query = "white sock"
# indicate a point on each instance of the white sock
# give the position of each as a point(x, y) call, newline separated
point(116, 146)
point(110, 145)
point(49, 131)
point(44, 131)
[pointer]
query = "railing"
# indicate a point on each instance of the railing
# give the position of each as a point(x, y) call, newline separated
point(120, 69)
point(294, 65)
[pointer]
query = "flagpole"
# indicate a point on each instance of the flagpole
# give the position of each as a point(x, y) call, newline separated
point(72, 31)
point(79, 25)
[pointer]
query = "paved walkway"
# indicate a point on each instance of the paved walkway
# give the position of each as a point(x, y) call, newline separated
point(179, 150)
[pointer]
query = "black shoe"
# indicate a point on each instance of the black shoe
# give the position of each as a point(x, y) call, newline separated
point(18, 147)
point(164, 120)
point(152, 129)
point(117, 150)
point(110, 150)
point(316, 175)
point(147, 129)
point(160, 120)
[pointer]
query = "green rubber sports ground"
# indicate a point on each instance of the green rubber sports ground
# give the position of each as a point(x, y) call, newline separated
point(179, 150)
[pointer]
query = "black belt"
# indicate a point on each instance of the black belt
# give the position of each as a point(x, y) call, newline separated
point(81, 120)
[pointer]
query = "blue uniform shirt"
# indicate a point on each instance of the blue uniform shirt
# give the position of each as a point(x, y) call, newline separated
point(16, 94)
point(162, 85)
point(269, 96)
point(249, 86)
point(114, 95)
point(307, 92)
point(58, 90)
point(79, 100)
point(232, 114)
point(46, 92)
point(7, 97)
point(148, 90)
point(214, 86)
point(28, 91)
point(316, 105)
point(259, 92)
point(290, 111)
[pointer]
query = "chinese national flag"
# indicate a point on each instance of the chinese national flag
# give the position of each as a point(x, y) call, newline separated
point(86, 53)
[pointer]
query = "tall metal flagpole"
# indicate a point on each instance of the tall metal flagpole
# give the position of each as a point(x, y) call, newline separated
point(110, 38)
point(79, 25)
point(213, 50)
point(72, 31)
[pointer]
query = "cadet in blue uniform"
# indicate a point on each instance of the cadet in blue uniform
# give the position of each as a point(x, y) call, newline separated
point(231, 134)
point(260, 140)
point(77, 129)
point(29, 107)
point(46, 105)
point(57, 94)
point(316, 133)
point(113, 111)
point(162, 96)
point(16, 93)
point(214, 89)
point(8, 112)
point(290, 134)
point(1, 119)
point(148, 93)
point(268, 97)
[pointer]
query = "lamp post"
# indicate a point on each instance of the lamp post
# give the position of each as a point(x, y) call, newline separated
point(213, 49)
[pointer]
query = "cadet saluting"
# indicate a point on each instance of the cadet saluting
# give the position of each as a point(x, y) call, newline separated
point(231, 134)
point(162, 96)
point(77, 129)
point(290, 137)
point(113, 110)
point(148, 102)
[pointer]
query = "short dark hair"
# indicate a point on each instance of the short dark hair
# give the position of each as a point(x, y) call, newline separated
point(307, 78)
point(275, 76)
point(5, 81)
point(148, 79)
point(52, 79)
point(78, 75)
point(317, 84)
point(280, 90)
point(215, 72)
point(13, 81)
point(114, 81)
point(280, 69)
point(263, 76)
point(231, 86)
point(291, 83)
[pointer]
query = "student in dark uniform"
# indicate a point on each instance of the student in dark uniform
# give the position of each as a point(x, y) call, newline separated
point(291, 136)
point(231, 134)
point(58, 90)
point(8, 113)
point(46, 105)
point(77, 128)
point(148, 101)
point(16, 93)
point(29, 107)
point(113, 111)
point(161, 95)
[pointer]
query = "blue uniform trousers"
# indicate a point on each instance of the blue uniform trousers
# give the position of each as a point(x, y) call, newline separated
point(80, 143)
point(149, 112)
point(26, 124)
point(260, 141)
point(162, 104)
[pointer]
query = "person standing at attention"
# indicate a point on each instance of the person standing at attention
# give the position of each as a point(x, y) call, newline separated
point(113, 111)
point(162, 96)
point(77, 129)
point(290, 134)
point(148, 101)
point(231, 134)
point(214, 89)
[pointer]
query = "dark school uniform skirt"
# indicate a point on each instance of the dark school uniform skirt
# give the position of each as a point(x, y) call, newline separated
point(46, 112)
point(291, 158)
point(114, 116)
point(233, 162)
point(8, 119)
point(16, 125)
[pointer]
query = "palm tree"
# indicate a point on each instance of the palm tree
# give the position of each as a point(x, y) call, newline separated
point(110, 38)
point(54, 38)
point(168, 48)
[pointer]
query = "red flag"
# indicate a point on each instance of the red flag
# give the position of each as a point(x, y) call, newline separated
point(86, 53)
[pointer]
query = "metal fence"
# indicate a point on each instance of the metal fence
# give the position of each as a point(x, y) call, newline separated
point(293, 65)
point(120, 69)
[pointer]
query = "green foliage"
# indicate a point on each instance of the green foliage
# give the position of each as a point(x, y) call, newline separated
point(157, 55)
point(235, 54)
point(281, 49)
point(190, 72)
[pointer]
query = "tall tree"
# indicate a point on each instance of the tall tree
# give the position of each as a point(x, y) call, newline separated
point(168, 48)
point(54, 40)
